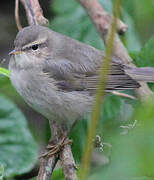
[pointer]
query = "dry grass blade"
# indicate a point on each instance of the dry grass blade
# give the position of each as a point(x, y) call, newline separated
point(99, 94)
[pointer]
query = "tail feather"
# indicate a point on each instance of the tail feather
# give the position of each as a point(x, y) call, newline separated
point(145, 74)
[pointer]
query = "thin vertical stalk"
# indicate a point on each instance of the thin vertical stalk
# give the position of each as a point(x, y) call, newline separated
point(100, 93)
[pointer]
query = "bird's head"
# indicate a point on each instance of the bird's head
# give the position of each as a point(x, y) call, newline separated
point(32, 46)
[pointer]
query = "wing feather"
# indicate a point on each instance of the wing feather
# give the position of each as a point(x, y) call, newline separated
point(71, 76)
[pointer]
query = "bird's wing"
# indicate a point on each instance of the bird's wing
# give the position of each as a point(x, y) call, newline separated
point(71, 76)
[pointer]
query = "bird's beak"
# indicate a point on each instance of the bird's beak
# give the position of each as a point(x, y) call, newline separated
point(15, 52)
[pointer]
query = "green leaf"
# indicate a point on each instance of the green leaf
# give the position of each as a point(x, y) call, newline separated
point(131, 37)
point(8, 90)
point(143, 21)
point(146, 56)
point(18, 150)
point(5, 84)
point(117, 109)
point(58, 174)
point(78, 136)
point(5, 72)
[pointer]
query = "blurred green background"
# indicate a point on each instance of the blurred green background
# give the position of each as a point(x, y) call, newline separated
point(126, 126)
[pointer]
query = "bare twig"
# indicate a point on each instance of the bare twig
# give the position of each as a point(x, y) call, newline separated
point(48, 163)
point(100, 19)
point(17, 15)
point(46, 168)
point(34, 12)
point(68, 163)
point(65, 154)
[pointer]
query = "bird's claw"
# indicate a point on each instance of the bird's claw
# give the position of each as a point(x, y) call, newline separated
point(54, 149)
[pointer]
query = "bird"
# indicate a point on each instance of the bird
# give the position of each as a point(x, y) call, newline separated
point(57, 76)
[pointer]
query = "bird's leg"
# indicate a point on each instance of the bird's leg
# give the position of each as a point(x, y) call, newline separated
point(55, 147)
point(72, 127)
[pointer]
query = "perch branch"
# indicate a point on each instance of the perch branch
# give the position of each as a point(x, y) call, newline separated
point(35, 16)
point(68, 163)
point(65, 156)
point(49, 163)
point(46, 168)
point(34, 12)
point(102, 20)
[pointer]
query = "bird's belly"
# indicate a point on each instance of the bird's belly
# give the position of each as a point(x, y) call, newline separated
point(32, 94)
point(52, 103)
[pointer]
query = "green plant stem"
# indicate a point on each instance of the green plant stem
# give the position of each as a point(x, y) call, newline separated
point(99, 94)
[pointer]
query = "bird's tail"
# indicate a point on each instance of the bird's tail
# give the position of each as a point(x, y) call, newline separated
point(145, 74)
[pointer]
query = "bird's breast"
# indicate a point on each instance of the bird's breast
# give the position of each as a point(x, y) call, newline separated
point(42, 95)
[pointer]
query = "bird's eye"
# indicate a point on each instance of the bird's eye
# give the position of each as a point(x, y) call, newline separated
point(35, 47)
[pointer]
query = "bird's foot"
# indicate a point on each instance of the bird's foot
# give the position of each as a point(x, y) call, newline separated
point(56, 148)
